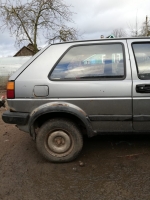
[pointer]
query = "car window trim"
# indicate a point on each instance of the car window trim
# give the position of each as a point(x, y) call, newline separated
point(146, 42)
point(90, 79)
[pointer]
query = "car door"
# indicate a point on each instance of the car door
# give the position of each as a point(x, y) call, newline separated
point(96, 77)
point(140, 63)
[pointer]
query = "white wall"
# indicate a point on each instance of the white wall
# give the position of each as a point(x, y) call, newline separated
point(8, 66)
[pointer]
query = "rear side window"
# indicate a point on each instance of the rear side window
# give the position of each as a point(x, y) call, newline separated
point(91, 62)
point(142, 58)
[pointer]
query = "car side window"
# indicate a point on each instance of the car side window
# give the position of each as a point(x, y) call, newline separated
point(91, 62)
point(142, 58)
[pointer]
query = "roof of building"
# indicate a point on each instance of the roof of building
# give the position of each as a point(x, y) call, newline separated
point(29, 47)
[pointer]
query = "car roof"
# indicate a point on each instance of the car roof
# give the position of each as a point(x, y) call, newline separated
point(103, 39)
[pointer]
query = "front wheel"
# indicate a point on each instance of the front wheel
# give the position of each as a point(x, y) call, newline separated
point(59, 140)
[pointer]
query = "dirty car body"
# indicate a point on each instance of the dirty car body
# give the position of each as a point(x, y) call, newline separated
point(96, 87)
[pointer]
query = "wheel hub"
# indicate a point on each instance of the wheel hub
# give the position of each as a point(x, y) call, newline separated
point(59, 142)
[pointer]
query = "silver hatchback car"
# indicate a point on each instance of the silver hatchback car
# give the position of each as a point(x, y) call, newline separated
point(83, 87)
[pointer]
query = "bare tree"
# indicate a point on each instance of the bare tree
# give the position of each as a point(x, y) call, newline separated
point(135, 30)
point(145, 30)
point(64, 34)
point(28, 20)
point(119, 33)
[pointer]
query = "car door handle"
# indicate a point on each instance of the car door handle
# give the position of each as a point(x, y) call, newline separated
point(144, 88)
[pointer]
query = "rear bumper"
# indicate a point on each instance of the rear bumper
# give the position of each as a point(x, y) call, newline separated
point(15, 118)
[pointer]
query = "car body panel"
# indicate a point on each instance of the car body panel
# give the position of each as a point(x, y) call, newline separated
point(110, 104)
point(141, 101)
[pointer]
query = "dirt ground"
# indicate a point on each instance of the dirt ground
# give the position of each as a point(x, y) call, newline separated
point(115, 168)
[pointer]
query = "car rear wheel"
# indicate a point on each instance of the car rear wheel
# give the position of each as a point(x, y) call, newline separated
point(59, 140)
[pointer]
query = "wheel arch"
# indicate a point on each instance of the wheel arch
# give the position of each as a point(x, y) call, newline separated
point(59, 109)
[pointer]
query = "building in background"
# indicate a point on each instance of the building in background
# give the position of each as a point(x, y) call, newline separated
point(25, 51)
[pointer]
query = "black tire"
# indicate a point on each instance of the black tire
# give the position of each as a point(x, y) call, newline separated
point(59, 140)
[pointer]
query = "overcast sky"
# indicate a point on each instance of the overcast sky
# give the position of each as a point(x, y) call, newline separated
point(93, 18)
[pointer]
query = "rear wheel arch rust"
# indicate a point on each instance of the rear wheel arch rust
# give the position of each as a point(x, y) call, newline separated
point(56, 111)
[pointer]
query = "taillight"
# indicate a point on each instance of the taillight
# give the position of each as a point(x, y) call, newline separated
point(10, 90)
